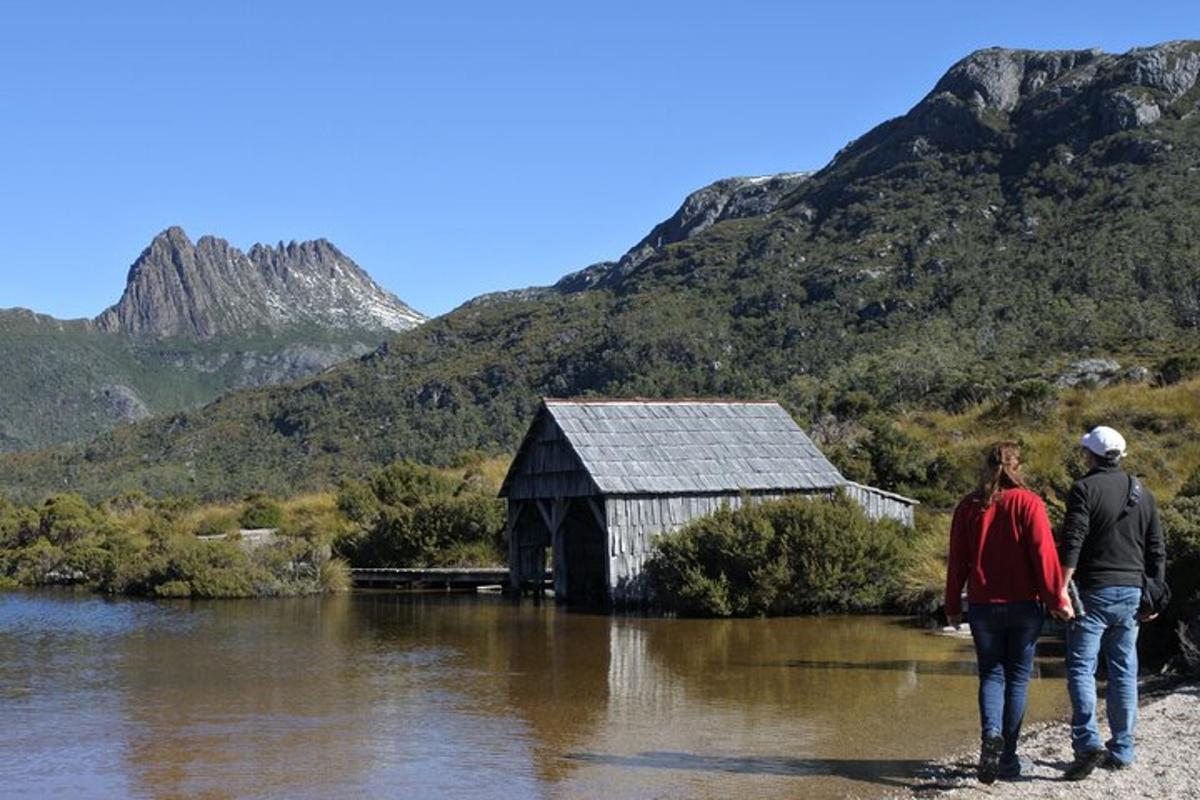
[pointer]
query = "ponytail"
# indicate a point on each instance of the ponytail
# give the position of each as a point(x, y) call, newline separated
point(1001, 471)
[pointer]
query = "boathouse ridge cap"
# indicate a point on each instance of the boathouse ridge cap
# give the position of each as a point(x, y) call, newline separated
point(660, 447)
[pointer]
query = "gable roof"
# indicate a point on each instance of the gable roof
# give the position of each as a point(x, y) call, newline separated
point(648, 447)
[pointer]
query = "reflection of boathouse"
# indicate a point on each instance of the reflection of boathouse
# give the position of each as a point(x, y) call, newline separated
point(596, 481)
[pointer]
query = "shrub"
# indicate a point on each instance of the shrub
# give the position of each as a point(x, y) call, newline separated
point(357, 501)
point(1028, 400)
point(1178, 368)
point(1191, 485)
point(1181, 527)
point(411, 515)
point(790, 556)
point(335, 575)
point(261, 511)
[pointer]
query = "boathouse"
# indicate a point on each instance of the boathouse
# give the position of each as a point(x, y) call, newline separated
point(596, 480)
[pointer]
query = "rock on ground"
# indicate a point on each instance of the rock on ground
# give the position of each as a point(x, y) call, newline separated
point(1167, 765)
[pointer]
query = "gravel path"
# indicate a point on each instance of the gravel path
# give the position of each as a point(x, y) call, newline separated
point(1167, 766)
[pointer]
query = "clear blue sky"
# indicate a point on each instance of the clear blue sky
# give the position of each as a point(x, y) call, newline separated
point(450, 148)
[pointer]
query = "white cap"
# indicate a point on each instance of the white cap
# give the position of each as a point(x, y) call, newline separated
point(1104, 442)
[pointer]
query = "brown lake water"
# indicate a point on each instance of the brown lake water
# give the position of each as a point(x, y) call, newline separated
point(462, 696)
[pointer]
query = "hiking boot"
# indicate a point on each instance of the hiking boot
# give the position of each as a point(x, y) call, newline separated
point(1112, 763)
point(989, 757)
point(1083, 765)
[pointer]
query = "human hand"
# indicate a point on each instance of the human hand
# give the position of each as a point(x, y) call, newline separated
point(1063, 614)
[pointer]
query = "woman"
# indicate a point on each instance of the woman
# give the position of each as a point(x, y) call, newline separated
point(1001, 547)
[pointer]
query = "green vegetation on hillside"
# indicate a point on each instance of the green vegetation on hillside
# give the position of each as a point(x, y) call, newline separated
point(68, 381)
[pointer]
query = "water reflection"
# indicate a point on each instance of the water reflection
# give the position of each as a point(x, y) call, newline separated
point(451, 696)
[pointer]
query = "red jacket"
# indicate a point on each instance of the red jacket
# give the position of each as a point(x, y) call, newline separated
point(1004, 552)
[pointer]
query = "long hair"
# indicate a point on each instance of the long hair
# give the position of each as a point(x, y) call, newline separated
point(1001, 470)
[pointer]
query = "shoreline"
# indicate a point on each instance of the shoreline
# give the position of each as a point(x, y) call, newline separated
point(1167, 764)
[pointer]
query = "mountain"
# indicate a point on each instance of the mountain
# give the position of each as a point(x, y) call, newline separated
point(211, 289)
point(195, 320)
point(1033, 210)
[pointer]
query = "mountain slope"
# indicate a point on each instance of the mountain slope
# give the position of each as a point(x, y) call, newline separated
point(194, 321)
point(1033, 209)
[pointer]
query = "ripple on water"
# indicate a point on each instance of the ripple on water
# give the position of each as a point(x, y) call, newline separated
point(31, 616)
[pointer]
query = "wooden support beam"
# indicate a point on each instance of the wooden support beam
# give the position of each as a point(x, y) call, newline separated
point(598, 513)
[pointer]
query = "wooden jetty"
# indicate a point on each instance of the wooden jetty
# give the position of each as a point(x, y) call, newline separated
point(446, 578)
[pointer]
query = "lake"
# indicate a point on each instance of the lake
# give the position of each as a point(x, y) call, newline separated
point(464, 696)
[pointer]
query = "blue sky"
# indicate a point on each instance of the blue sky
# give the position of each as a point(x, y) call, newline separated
point(450, 148)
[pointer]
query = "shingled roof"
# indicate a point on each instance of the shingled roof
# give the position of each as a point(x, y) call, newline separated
point(649, 447)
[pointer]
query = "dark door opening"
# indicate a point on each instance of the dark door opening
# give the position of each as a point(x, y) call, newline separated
point(585, 556)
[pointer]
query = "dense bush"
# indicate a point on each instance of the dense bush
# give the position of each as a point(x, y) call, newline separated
point(781, 557)
point(410, 515)
point(1031, 399)
point(1178, 368)
point(886, 457)
point(1181, 526)
point(261, 511)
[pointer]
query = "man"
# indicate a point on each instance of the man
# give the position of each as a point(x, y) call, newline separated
point(1111, 539)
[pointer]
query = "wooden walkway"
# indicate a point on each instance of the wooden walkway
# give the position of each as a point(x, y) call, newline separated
point(448, 578)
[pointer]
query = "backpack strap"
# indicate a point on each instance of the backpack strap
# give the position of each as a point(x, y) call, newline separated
point(1133, 498)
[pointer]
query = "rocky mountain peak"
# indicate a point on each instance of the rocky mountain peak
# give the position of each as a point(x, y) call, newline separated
point(210, 288)
point(1023, 104)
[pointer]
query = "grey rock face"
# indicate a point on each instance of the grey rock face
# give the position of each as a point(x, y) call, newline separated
point(208, 289)
point(997, 78)
point(1089, 372)
point(1122, 110)
point(122, 403)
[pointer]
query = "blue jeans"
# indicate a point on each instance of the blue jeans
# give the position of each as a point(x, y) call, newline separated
point(1109, 628)
point(1005, 637)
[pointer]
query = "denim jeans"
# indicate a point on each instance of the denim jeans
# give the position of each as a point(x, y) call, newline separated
point(1108, 629)
point(1005, 637)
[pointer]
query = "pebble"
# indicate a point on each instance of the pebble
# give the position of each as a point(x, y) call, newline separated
point(1167, 765)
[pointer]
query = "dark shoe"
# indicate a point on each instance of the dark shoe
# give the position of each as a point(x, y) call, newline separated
point(1083, 765)
point(1112, 763)
point(989, 757)
point(1009, 770)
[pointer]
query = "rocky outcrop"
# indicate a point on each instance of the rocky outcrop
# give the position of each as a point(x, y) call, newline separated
point(1021, 103)
point(731, 198)
point(209, 289)
point(122, 403)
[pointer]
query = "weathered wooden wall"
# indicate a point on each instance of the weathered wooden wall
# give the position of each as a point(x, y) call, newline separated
point(548, 467)
point(880, 504)
point(634, 522)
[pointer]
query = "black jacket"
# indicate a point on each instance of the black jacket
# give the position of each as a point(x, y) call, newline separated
point(1106, 547)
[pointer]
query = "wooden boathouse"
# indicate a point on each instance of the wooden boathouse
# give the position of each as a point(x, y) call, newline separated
point(596, 480)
